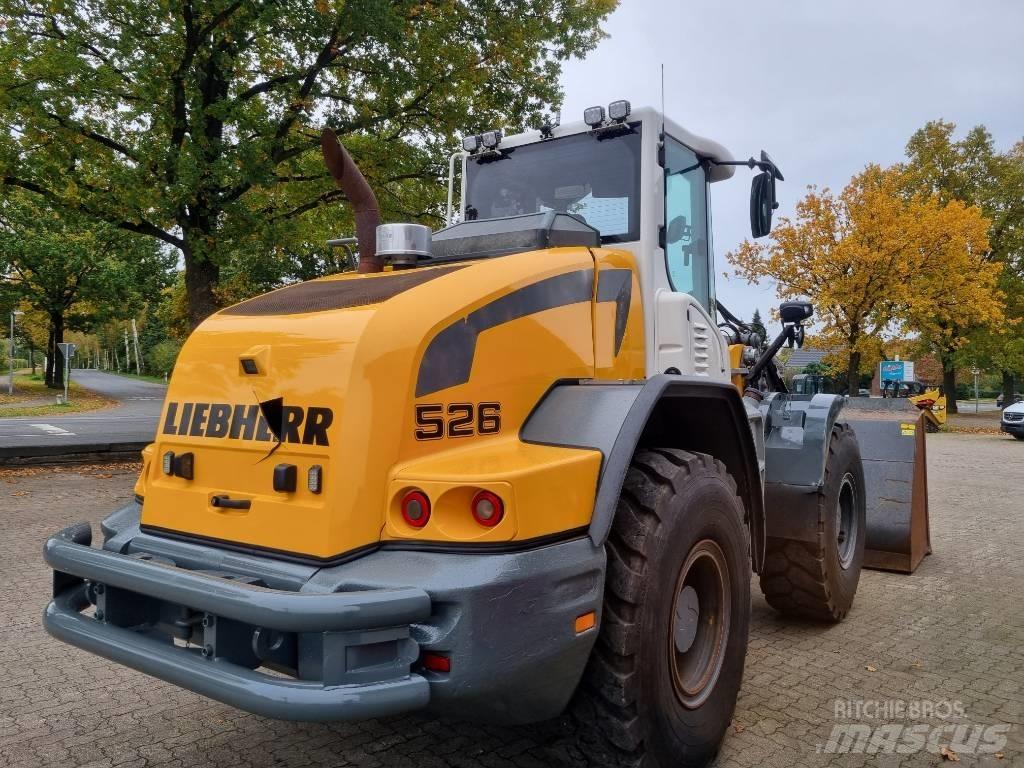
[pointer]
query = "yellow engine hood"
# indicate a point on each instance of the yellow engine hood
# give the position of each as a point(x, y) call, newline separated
point(351, 359)
point(213, 411)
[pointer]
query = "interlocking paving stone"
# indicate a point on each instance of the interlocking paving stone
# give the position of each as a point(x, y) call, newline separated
point(954, 631)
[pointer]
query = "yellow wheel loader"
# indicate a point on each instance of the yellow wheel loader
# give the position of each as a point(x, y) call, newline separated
point(505, 470)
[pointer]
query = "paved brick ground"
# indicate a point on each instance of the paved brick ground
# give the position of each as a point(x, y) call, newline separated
point(953, 632)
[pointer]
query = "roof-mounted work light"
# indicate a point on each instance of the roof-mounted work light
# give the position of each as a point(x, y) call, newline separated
point(471, 143)
point(491, 139)
point(593, 116)
point(619, 110)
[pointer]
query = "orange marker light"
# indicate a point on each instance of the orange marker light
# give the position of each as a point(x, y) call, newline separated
point(585, 622)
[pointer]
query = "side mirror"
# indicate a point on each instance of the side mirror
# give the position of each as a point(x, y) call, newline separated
point(762, 203)
point(677, 230)
point(795, 311)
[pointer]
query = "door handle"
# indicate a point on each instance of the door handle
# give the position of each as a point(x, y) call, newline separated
point(226, 502)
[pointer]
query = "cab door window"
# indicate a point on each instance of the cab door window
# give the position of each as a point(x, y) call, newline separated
point(686, 223)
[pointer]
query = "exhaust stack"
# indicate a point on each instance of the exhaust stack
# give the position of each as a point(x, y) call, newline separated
point(364, 203)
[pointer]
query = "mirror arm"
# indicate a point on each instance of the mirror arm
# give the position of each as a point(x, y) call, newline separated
point(764, 164)
point(788, 333)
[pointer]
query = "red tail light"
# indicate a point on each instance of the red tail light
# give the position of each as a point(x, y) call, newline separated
point(488, 508)
point(435, 662)
point(416, 508)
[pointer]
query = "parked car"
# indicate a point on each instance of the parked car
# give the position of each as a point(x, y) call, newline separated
point(1017, 398)
point(1012, 421)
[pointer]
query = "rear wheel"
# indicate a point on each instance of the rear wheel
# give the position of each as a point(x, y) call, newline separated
point(818, 579)
point(661, 684)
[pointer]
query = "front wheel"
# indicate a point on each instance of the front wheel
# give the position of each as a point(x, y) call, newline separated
point(817, 578)
point(661, 684)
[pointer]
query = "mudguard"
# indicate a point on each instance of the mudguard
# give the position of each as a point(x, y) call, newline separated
point(665, 411)
point(797, 433)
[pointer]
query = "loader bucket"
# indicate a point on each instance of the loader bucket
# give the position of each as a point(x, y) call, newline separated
point(891, 434)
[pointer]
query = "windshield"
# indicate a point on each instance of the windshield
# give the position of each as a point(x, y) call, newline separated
point(595, 177)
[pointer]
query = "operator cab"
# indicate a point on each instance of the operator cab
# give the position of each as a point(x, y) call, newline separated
point(642, 182)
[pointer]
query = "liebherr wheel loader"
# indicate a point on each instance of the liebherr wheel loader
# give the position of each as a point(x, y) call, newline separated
point(507, 470)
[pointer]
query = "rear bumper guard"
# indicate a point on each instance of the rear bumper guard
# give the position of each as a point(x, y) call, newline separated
point(350, 653)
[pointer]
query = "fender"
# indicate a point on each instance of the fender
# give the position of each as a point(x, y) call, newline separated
point(797, 433)
point(665, 411)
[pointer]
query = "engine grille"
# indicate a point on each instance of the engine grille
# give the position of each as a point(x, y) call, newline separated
point(323, 295)
point(1012, 417)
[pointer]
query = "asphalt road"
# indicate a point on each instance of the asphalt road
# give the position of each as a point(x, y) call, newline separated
point(134, 420)
point(946, 642)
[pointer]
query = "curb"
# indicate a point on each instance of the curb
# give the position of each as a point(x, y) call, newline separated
point(71, 454)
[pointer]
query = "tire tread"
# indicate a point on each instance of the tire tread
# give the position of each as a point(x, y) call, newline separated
point(794, 580)
point(607, 709)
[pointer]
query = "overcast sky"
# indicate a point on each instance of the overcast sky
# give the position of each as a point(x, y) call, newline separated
point(824, 86)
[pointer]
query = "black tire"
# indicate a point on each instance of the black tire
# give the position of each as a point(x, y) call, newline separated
point(1019, 437)
point(818, 579)
point(642, 701)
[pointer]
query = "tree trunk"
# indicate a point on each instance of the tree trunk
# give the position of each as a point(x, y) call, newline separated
point(1008, 381)
point(57, 323)
point(201, 276)
point(853, 374)
point(949, 385)
point(32, 357)
point(50, 357)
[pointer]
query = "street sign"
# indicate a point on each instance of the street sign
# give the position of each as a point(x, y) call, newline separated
point(68, 350)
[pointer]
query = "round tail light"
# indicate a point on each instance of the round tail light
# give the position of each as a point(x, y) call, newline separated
point(488, 508)
point(416, 508)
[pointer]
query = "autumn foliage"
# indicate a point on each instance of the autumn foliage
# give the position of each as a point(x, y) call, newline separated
point(876, 260)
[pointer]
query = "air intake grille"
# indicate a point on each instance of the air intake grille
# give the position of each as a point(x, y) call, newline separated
point(701, 348)
point(322, 295)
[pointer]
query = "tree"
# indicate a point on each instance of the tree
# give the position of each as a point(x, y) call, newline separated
point(757, 325)
point(32, 331)
point(196, 123)
point(844, 253)
point(872, 258)
point(74, 275)
point(972, 171)
point(816, 369)
point(955, 290)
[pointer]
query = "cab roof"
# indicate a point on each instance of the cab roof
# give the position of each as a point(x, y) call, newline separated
point(651, 120)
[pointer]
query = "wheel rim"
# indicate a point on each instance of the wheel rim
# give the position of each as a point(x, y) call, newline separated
point(700, 623)
point(846, 521)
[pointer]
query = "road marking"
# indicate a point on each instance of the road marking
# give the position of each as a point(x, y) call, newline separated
point(52, 430)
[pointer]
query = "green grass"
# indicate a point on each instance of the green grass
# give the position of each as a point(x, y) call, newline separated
point(33, 398)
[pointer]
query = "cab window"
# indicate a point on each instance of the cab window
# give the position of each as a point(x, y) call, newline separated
point(594, 177)
point(686, 223)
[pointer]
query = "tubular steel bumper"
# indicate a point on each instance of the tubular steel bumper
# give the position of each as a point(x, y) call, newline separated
point(349, 652)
